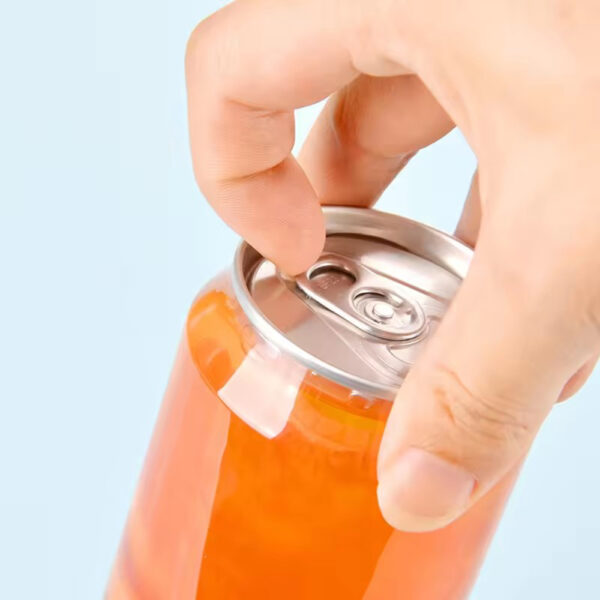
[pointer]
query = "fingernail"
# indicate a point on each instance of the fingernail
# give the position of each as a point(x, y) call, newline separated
point(421, 491)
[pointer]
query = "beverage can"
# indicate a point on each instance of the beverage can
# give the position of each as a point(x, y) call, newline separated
point(260, 480)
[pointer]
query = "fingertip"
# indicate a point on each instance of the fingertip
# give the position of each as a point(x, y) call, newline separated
point(420, 491)
point(276, 212)
point(296, 243)
point(406, 521)
point(301, 251)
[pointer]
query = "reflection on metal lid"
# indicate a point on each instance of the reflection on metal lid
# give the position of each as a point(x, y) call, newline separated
point(363, 311)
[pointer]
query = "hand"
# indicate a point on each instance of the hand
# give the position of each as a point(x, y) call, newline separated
point(521, 80)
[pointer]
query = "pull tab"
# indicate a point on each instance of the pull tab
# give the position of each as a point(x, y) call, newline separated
point(371, 302)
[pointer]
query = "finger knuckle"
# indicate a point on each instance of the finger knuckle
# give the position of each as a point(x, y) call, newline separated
point(198, 46)
point(491, 421)
point(355, 137)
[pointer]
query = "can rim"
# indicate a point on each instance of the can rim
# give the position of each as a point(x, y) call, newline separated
point(422, 240)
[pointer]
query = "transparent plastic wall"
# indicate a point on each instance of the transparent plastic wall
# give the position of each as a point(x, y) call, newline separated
point(260, 483)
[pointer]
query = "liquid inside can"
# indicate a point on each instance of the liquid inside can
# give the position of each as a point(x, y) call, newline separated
point(260, 480)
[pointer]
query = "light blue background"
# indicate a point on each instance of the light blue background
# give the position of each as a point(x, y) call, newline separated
point(104, 241)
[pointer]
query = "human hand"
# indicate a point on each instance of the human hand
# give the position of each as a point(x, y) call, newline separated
point(522, 82)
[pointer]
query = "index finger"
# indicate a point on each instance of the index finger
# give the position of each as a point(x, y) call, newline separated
point(248, 67)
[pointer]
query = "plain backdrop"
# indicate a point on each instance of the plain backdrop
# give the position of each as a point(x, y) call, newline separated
point(104, 240)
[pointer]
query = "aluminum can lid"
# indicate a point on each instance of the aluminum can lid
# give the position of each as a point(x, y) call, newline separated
point(363, 311)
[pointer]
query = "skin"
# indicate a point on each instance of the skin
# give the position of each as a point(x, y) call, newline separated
point(521, 80)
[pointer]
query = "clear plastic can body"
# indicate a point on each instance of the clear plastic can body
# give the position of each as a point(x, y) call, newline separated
point(260, 483)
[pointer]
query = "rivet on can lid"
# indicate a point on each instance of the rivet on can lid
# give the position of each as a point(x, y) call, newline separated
point(383, 310)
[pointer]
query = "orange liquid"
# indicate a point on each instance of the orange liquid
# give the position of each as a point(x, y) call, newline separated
point(222, 512)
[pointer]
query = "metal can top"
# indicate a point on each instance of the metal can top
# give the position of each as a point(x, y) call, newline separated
point(362, 312)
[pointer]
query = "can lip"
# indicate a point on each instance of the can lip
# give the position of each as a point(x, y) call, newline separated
point(417, 238)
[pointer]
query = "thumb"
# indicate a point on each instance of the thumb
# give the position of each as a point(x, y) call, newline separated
point(470, 408)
